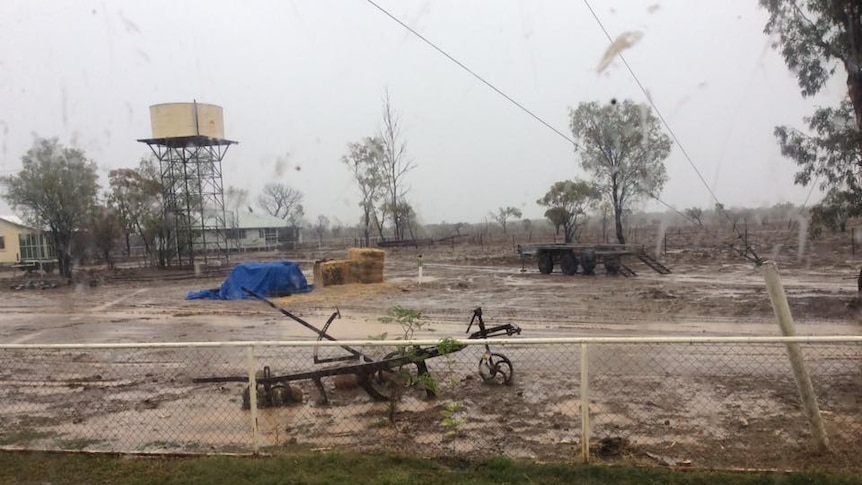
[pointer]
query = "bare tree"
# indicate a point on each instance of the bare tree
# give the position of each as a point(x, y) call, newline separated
point(320, 227)
point(695, 214)
point(527, 224)
point(280, 200)
point(394, 165)
point(504, 214)
point(235, 201)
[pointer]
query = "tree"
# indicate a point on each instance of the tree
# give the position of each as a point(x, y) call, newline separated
point(136, 198)
point(504, 213)
point(55, 189)
point(623, 147)
point(695, 214)
point(320, 227)
point(567, 204)
point(833, 212)
point(829, 152)
point(527, 224)
point(815, 37)
point(280, 200)
point(106, 229)
point(406, 217)
point(364, 160)
point(394, 166)
point(235, 201)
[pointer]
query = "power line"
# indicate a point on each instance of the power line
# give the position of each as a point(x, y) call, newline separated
point(474, 74)
point(664, 122)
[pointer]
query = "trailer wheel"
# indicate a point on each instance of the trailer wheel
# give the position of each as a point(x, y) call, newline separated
point(588, 262)
point(546, 262)
point(568, 263)
point(612, 265)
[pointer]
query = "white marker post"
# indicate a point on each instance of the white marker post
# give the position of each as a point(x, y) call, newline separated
point(803, 380)
point(420, 270)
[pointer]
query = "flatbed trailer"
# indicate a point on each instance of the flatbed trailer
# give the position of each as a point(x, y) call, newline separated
point(584, 258)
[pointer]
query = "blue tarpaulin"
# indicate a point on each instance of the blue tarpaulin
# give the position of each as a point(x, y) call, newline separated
point(279, 278)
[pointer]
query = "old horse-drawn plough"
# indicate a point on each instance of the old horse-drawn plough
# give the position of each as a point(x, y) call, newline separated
point(378, 378)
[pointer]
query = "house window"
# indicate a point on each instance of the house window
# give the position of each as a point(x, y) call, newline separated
point(2, 243)
point(261, 233)
point(236, 234)
point(271, 235)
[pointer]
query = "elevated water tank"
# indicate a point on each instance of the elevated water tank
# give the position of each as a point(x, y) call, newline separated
point(171, 120)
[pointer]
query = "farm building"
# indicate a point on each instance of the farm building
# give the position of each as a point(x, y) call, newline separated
point(247, 231)
point(21, 243)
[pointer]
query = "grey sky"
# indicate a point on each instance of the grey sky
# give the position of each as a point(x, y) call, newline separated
point(306, 78)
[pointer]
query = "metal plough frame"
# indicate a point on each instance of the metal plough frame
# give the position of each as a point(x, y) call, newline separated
point(372, 376)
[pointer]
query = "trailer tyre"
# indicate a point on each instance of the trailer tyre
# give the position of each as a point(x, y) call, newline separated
point(612, 265)
point(568, 263)
point(546, 262)
point(588, 262)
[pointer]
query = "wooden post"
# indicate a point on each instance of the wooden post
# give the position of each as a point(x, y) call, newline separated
point(797, 361)
point(252, 400)
point(585, 405)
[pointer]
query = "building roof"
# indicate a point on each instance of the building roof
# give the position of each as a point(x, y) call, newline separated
point(15, 220)
point(250, 220)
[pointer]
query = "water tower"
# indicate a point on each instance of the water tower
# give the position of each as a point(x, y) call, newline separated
point(188, 140)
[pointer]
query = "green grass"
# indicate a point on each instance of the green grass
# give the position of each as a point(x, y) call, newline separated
point(22, 436)
point(344, 468)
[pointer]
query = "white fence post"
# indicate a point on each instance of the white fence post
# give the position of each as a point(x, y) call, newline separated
point(585, 405)
point(252, 400)
point(803, 380)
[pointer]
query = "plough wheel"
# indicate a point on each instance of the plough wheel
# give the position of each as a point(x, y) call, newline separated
point(383, 384)
point(496, 368)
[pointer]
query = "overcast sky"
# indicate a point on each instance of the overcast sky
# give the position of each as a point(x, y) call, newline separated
point(304, 78)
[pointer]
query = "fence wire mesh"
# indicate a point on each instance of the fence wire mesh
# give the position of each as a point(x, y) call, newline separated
point(704, 404)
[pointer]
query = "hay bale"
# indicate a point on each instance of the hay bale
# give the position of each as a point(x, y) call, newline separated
point(318, 275)
point(366, 264)
point(366, 271)
point(333, 272)
point(365, 255)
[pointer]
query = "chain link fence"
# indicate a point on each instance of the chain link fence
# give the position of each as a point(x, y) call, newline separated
point(699, 402)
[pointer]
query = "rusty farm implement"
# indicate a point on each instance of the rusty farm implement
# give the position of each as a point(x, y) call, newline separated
point(376, 377)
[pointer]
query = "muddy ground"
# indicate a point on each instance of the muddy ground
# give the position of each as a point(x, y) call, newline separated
point(707, 405)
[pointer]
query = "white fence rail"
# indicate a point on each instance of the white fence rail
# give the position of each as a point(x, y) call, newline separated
point(710, 401)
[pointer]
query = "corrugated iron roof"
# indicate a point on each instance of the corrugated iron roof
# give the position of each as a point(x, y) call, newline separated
point(250, 220)
point(15, 220)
